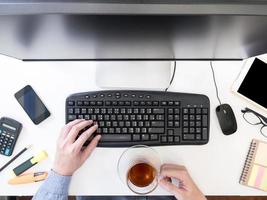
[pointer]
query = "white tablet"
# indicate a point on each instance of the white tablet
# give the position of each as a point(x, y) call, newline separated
point(252, 83)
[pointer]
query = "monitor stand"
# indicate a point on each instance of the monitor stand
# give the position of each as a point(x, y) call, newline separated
point(154, 75)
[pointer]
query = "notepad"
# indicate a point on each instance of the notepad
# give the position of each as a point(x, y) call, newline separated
point(254, 173)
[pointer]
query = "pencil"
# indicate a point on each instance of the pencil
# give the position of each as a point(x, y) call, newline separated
point(15, 157)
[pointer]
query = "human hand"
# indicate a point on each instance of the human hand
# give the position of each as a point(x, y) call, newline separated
point(187, 189)
point(70, 153)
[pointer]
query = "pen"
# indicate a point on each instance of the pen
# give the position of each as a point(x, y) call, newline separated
point(15, 157)
point(28, 178)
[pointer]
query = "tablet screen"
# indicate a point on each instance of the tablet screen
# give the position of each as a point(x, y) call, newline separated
point(254, 85)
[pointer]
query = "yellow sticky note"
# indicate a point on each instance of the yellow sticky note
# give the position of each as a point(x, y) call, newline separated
point(253, 175)
point(261, 157)
point(264, 181)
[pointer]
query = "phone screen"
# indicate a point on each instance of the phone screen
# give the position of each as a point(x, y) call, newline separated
point(32, 104)
point(253, 85)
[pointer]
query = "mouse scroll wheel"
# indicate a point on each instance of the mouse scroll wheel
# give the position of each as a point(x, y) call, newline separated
point(224, 111)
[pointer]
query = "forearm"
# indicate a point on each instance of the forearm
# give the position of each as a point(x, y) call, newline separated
point(55, 187)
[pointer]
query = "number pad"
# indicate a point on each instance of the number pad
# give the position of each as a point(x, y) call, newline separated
point(6, 142)
point(195, 123)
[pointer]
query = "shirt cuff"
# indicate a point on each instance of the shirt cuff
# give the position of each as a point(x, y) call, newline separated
point(57, 184)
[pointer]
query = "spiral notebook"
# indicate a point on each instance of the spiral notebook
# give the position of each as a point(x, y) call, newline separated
point(255, 169)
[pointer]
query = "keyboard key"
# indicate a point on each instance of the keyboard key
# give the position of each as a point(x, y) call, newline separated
point(163, 139)
point(176, 139)
point(170, 124)
point(192, 117)
point(170, 103)
point(192, 124)
point(136, 103)
point(185, 117)
point(148, 103)
point(145, 137)
point(205, 120)
point(170, 132)
point(192, 111)
point(160, 117)
point(128, 103)
point(108, 103)
point(77, 111)
point(79, 103)
point(84, 111)
point(177, 103)
point(185, 110)
point(192, 130)
point(170, 138)
point(205, 133)
point(198, 136)
point(154, 137)
point(157, 124)
point(70, 111)
point(198, 111)
point(163, 103)
point(189, 136)
point(170, 111)
point(111, 130)
point(158, 111)
point(144, 130)
point(155, 103)
point(198, 130)
point(156, 130)
point(176, 111)
point(136, 137)
point(118, 130)
point(185, 123)
point(138, 130)
point(176, 124)
point(170, 117)
point(204, 111)
point(147, 123)
point(86, 103)
point(92, 103)
point(99, 103)
point(121, 103)
point(185, 130)
point(71, 103)
point(71, 117)
point(115, 138)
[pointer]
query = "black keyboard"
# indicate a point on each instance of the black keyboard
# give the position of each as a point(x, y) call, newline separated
point(128, 118)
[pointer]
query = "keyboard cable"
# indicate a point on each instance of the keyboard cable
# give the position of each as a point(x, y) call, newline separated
point(215, 83)
point(173, 75)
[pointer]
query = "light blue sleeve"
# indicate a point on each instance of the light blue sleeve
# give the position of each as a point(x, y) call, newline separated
point(55, 187)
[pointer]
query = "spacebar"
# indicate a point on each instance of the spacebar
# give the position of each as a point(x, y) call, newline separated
point(115, 138)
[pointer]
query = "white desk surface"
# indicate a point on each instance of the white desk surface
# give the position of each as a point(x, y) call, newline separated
point(215, 167)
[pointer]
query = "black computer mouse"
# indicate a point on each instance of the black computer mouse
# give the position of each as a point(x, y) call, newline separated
point(226, 118)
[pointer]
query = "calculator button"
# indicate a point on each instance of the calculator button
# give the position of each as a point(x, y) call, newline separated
point(7, 152)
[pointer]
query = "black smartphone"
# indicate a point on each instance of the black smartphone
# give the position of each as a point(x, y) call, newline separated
point(32, 104)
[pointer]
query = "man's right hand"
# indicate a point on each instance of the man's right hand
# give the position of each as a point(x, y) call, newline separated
point(70, 153)
point(187, 189)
